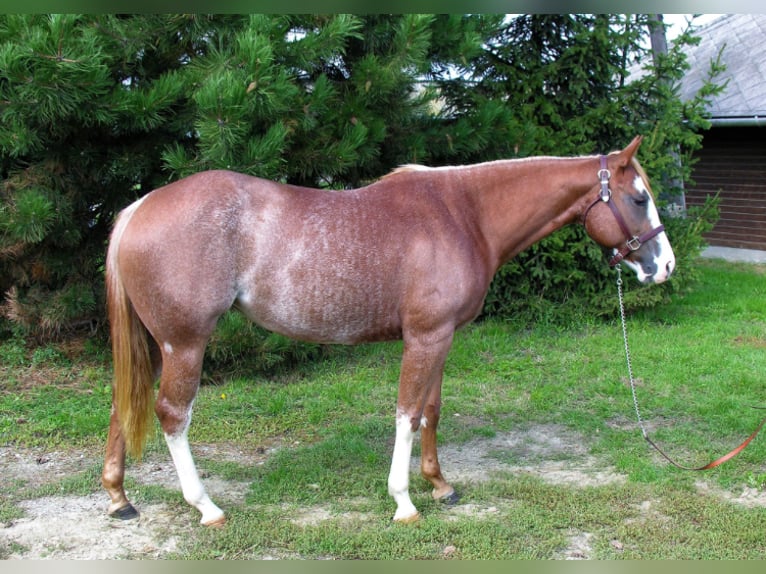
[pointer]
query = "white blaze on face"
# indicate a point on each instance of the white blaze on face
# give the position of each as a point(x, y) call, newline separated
point(664, 258)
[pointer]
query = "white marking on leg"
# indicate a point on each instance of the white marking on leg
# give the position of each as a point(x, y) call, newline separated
point(191, 485)
point(399, 477)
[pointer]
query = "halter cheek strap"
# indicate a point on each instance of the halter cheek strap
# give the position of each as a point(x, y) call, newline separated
point(632, 242)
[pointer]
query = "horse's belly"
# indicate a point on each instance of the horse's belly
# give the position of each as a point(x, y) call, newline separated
point(324, 315)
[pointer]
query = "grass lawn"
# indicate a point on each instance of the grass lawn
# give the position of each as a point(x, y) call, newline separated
point(525, 410)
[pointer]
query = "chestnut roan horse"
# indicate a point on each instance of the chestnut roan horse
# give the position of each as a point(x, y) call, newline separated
point(409, 257)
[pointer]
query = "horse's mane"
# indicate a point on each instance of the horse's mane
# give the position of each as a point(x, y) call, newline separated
point(413, 167)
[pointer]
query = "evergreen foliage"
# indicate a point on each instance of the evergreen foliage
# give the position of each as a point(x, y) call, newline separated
point(98, 110)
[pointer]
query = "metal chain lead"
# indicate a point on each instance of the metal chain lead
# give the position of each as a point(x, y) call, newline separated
point(713, 464)
point(627, 352)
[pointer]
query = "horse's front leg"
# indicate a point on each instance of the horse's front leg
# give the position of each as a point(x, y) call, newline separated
point(429, 460)
point(422, 366)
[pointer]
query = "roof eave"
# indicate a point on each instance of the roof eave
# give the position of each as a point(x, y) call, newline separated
point(738, 121)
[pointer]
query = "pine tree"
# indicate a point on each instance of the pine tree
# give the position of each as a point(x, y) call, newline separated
point(324, 100)
point(87, 105)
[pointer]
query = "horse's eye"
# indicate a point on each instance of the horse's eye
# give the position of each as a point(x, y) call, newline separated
point(639, 201)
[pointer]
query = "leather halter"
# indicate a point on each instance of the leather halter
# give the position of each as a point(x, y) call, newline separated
point(632, 242)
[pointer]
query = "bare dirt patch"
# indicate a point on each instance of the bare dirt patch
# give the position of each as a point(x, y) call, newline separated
point(749, 497)
point(77, 528)
point(550, 452)
point(68, 527)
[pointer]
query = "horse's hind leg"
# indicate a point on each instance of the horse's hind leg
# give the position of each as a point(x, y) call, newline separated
point(182, 367)
point(113, 474)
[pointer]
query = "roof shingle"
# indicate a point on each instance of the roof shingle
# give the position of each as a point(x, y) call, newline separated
point(741, 40)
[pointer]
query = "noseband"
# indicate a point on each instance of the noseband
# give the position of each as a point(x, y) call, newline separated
point(632, 242)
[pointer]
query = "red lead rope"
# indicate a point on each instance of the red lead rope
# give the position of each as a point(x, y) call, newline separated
point(731, 454)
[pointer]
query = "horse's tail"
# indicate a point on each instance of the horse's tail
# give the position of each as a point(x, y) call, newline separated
point(133, 386)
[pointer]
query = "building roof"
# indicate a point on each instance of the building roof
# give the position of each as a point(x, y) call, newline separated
point(741, 41)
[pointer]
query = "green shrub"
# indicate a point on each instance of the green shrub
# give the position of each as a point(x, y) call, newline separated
point(239, 345)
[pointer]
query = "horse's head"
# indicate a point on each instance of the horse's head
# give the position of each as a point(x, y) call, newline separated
point(623, 216)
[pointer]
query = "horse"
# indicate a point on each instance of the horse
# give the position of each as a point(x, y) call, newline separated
point(408, 257)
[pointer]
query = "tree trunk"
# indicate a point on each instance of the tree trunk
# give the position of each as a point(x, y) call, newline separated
point(659, 44)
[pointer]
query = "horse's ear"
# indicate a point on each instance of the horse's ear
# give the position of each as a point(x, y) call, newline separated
point(624, 157)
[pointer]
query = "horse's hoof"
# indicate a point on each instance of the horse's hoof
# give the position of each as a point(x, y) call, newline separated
point(216, 522)
point(408, 519)
point(125, 513)
point(450, 499)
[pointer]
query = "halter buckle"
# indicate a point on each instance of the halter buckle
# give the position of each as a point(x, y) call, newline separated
point(634, 243)
point(604, 175)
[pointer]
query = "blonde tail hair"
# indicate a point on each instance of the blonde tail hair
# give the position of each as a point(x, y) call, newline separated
point(133, 385)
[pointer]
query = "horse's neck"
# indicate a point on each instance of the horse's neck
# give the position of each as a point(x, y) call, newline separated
point(521, 202)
